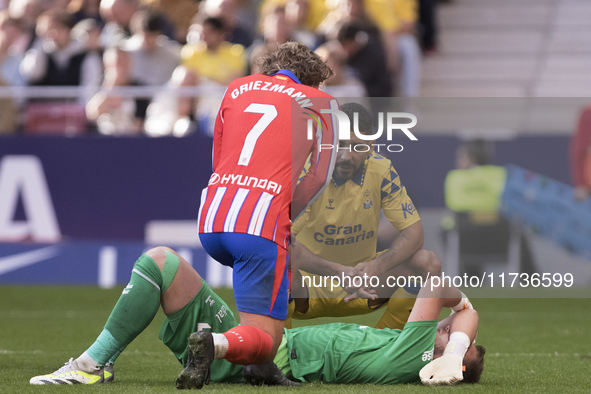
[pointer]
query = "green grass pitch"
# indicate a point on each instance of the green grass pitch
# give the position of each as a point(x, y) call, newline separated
point(533, 345)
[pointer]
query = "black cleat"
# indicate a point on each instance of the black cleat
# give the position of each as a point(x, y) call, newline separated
point(266, 374)
point(201, 352)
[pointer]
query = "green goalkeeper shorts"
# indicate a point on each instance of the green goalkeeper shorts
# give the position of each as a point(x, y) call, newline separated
point(205, 312)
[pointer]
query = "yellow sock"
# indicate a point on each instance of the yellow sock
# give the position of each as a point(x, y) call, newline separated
point(398, 310)
point(290, 311)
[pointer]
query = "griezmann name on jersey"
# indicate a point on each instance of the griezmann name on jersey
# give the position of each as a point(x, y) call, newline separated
point(259, 150)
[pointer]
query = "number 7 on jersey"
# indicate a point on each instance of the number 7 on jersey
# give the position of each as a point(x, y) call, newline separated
point(269, 113)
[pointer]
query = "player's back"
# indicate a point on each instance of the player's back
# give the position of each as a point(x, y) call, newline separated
point(254, 155)
point(350, 353)
point(257, 124)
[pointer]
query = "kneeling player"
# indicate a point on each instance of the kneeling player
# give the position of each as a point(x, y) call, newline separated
point(318, 353)
point(337, 235)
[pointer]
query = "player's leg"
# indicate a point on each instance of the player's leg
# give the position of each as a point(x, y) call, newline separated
point(325, 299)
point(422, 264)
point(322, 302)
point(206, 312)
point(260, 279)
point(154, 280)
point(261, 289)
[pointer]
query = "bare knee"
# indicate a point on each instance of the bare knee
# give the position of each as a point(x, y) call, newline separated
point(179, 289)
point(425, 262)
point(158, 254)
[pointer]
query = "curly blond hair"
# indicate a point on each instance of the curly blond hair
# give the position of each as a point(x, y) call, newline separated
point(307, 66)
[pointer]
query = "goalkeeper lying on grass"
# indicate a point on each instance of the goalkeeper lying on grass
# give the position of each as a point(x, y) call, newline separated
point(334, 353)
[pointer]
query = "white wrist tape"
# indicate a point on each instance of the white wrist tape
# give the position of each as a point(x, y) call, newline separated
point(462, 304)
point(458, 344)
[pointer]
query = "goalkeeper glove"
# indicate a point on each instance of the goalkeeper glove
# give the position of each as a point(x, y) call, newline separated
point(447, 369)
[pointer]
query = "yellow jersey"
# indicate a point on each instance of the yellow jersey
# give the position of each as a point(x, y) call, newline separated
point(342, 225)
point(390, 14)
point(222, 66)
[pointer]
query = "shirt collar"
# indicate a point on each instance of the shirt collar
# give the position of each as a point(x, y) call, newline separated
point(358, 179)
point(289, 74)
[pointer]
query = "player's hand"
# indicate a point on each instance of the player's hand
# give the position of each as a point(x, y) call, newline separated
point(360, 271)
point(362, 293)
point(352, 273)
point(365, 269)
point(443, 371)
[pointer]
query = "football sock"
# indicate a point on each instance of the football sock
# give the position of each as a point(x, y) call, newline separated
point(114, 356)
point(102, 349)
point(398, 309)
point(86, 363)
point(220, 343)
point(133, 312)
point(247, 345)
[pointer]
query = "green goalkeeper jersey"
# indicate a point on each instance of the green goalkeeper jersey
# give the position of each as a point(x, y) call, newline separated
point(349, 353)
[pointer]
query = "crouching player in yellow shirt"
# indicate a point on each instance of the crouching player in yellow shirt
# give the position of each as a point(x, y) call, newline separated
point(339, 233)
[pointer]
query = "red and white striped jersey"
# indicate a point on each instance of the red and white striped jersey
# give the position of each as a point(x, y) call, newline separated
point(261, 144)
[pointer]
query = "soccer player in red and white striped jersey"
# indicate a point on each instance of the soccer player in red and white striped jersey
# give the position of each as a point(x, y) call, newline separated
point(260, 148)
point(261, 144)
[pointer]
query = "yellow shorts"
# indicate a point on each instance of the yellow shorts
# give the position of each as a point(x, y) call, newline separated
point(326, 303)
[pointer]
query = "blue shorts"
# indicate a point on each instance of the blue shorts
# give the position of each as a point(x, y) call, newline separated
point(260, 271)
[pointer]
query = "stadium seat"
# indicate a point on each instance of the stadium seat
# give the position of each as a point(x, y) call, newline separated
point(55, 119)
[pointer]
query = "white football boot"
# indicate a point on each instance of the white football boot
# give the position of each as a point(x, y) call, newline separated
point(71, 373)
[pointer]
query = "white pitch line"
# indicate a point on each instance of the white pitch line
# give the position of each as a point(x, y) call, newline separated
point(3, 351)
point(46, 314)
point(555, 354)
point(128, 353)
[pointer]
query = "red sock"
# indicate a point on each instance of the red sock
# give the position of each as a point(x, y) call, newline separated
point(248, 345)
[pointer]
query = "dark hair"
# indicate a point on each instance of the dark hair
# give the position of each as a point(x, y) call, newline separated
point(364, 117)
point(216, 23)
point(300, 60)
point(348, 31)
point(146, 21)
point(474, 367)
point(477, 152)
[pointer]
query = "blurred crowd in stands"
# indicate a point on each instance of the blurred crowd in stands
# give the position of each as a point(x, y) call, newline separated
point(374, 46)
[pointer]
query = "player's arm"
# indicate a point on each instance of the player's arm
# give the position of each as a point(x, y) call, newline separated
point(318, 175)
point(303, 258)
point(463, 326)
point(406, 244)
point(448, 369)
point(402, 214)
